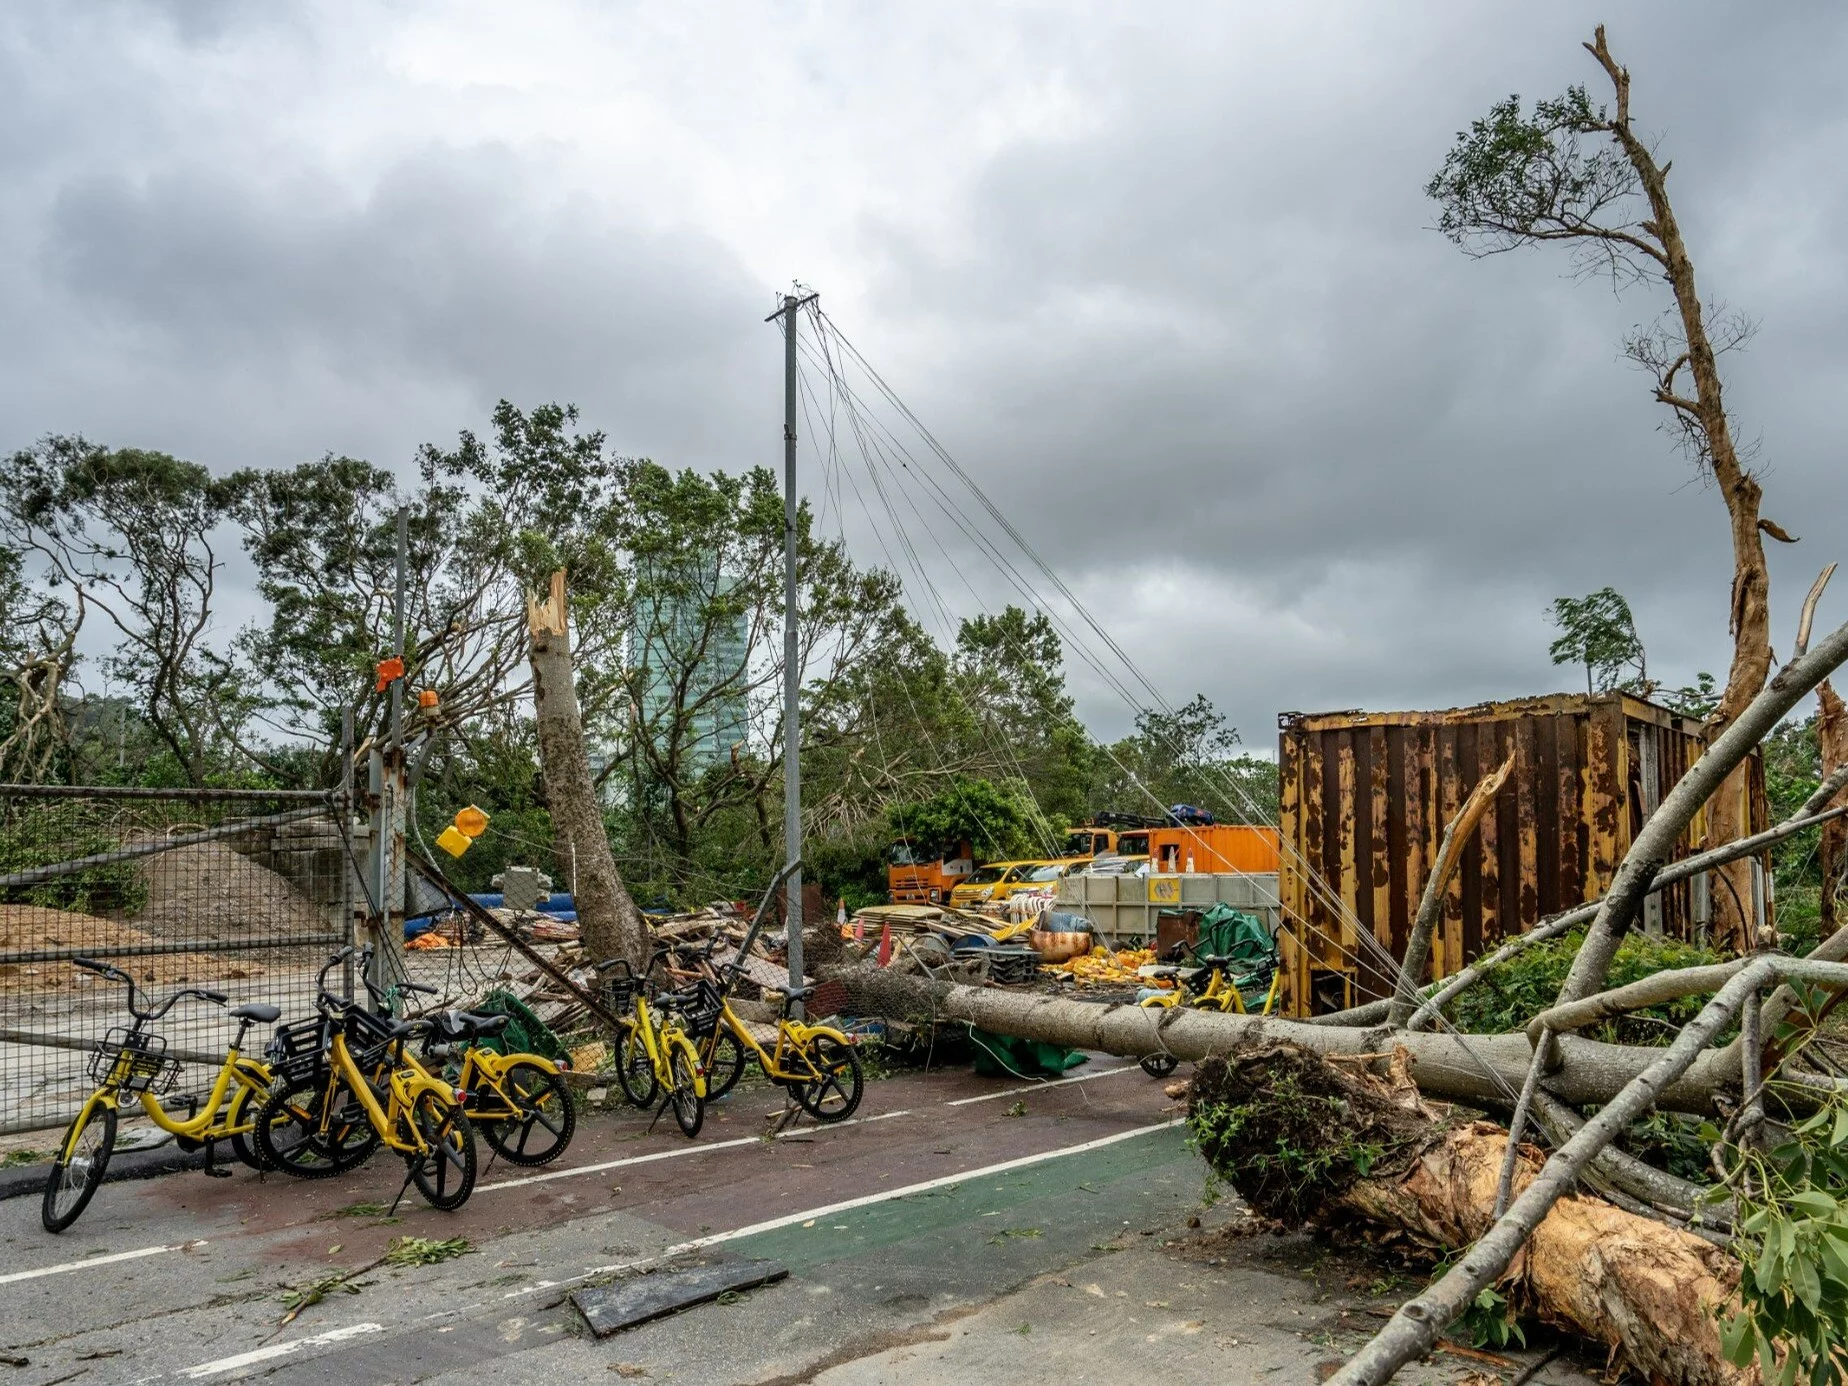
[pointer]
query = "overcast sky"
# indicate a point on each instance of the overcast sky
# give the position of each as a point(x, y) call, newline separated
point(1159, 276)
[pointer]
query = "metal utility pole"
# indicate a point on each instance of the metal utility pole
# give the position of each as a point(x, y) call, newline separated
point(792, 673)
point(389, 785)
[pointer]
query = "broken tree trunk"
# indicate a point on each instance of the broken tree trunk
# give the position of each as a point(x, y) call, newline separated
point(1649, 1292)
point(1832, 739)
point(608, 921)
point(1480, 1069)
point(1457, 833)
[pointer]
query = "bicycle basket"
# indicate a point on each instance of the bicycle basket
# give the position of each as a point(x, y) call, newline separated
point(134, 1061)
point(619, 993)
point(298, 1049)
point(700, 1014)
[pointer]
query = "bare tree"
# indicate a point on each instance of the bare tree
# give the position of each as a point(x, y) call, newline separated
point(1580, 173)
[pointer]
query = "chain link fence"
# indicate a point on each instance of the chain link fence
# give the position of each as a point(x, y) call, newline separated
point(244, 892)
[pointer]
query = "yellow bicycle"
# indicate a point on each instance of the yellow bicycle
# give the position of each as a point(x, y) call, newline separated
point(654, 1054)
point(133, 1059)
point(1220, 991)
point(328, 1115)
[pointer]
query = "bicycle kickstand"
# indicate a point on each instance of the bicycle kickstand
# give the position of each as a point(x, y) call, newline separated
point(410, 1173)
point(212, 1171)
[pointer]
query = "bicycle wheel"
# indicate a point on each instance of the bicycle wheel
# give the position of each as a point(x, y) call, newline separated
point(82, 1158)
point(546, 1122)
point(244, 1106)
point(446, 1175)
point(290, 1135)
point(724, 1064)
point(835, 1094)
point(689, 1107)
point(635, 1073)
point(1159, 1065)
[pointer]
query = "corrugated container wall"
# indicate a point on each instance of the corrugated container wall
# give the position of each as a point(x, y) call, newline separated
point(1365, 796)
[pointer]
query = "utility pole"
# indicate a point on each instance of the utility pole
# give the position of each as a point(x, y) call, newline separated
point(388, 784)
point(792, 674)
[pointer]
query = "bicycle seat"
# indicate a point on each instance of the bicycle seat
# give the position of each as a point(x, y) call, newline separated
point(1162, 972)
point(259, 1012)
point(470, 1024)
point(1216, 960)
point(793, 993)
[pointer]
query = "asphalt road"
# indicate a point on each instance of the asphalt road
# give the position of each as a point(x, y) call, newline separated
point(949, 1198)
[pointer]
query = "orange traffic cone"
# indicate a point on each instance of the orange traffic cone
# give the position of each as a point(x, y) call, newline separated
point(885, 944)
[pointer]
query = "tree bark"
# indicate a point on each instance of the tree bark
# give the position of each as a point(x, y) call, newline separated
point(1646, 1291)
point(1479, 1069)
point(608, 921)
point(1832, 738)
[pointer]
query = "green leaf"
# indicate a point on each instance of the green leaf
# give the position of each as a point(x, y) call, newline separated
point(1813, 1202)
point(1737, 1341)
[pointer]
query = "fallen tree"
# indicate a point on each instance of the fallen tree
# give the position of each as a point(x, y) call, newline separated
point(1302, 1138)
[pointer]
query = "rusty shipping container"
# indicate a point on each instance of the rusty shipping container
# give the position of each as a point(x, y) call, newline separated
point(1365, 796)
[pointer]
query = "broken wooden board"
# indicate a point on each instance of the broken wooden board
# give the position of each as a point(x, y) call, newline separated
point(611, 1308)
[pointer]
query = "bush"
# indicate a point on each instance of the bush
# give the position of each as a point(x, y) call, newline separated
point(1517, 991)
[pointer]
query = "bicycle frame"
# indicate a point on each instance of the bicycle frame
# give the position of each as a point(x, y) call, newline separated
point(251, 1077)
point(1220, 993)
point(658, 1038)
point(407, 1081)
point(791, 1036)
point(484, 1070)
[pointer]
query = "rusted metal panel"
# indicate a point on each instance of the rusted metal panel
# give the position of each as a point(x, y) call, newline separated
point(1365, 796)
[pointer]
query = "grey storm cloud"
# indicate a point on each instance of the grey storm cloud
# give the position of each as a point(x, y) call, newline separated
point(1164, 284)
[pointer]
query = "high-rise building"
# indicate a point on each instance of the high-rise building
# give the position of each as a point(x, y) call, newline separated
point(688, 636)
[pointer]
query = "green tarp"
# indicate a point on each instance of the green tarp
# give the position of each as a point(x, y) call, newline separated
point(1005, 1056)
point(525, 1033)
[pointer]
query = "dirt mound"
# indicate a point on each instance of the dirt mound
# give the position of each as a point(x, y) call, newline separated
point(209, 892)
point(27, 928)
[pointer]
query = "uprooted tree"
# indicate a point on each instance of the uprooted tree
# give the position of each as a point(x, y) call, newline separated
point(1740, 1278)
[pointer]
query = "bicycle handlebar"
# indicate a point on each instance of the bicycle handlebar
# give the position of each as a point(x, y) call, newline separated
point(115, 974)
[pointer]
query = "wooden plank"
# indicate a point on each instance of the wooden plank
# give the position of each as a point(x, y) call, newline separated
point(1291, 887)
point(1347, 883)
point(1490, 751)
point(1396, 846)
point(1527, 844)
point(1379, 838)
point(1419, 846)
point(609, 1309)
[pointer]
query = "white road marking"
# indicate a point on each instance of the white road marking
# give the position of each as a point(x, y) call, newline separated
point(867, 1200)
point(89, 1261)
point(274, 1350)
point(1041, 1087)
point(674, 1154)
point(338, 1335)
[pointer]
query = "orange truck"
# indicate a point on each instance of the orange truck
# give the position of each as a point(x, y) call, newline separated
point(922, 874)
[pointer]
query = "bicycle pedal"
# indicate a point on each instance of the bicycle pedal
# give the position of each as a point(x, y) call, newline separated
point(213, 1172)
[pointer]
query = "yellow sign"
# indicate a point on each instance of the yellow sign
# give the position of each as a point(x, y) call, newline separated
point(1164, 890)
point(453, 841)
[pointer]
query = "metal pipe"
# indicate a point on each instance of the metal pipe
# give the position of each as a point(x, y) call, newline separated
point(111, 791)
point(149, 849)
point(151, 950)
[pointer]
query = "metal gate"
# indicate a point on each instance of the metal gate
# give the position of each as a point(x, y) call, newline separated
point(239, 891)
